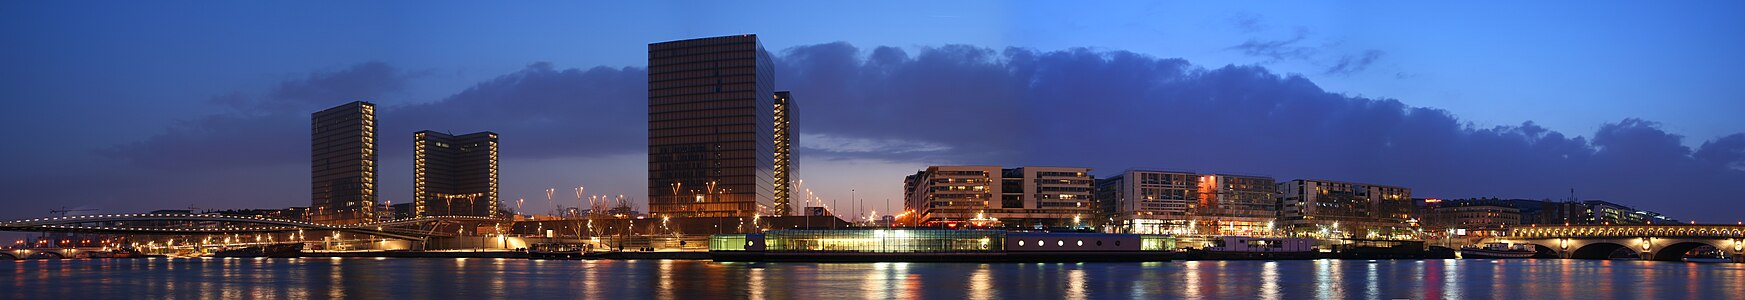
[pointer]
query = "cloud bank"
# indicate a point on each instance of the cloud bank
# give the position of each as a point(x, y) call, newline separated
point(961, 104)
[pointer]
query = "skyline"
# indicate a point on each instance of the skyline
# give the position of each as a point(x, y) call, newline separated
point(868, 108)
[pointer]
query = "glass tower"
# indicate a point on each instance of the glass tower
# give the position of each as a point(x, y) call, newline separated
point(711, 128)
point(343, 164)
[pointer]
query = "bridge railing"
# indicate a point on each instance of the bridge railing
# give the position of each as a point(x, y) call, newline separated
point(1709, 231)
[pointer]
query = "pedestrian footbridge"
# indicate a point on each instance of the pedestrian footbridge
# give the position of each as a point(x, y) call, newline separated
point(414, 229)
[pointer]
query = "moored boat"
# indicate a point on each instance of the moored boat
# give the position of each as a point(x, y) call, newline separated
point(1499, 250)
point(1707, 255)
point(274, 250)
point(558, 251)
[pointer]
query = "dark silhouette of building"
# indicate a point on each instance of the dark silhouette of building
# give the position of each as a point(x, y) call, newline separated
point(455, 175)
point(711, 135)
point(343, 163)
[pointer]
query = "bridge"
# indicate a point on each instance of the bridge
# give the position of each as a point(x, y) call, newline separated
point(1648, 242)
point(411, 229)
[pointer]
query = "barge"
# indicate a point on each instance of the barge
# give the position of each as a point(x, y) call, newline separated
point(938, 245)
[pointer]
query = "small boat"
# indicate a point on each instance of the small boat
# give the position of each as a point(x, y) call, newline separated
point(1499, 250)
point(1709, 255)
point(558, 251)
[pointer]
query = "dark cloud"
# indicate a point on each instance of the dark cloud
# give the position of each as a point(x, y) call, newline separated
point(1113, 110)
point(1298, 48)
point(1247, 22)
point(1727, 151)
point(959, 104)
point(1290, 48)
point(540, 111)
point(267, 129)
point(1349, 64)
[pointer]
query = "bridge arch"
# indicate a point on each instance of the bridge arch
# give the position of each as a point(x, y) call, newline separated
point(1675, 251)
point(7, 256)
point(1600, 250)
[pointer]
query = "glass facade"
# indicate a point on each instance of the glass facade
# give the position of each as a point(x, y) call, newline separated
point(727, 242)
point(933, 241)
point(711, 128)
point(885, 241)
point(343, 164)
point(1156, 243)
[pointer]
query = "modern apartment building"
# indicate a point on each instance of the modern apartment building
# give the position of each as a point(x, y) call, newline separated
point(1236, 205)
point(455, 175)
point(1345, 209)
point(711, 128)
point(1470, 217)
point(1187, 203)
point(1146, 201)
point(991, 196)
point(343, 164)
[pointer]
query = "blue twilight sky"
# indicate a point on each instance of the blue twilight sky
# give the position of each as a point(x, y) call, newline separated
point(132, 106)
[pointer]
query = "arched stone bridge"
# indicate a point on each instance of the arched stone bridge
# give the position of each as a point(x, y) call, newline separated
point(1649, 242)
point(414, 229)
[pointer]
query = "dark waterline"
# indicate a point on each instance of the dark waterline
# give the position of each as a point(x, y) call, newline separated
point(677, 279)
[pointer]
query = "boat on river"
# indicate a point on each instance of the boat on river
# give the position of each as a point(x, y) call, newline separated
point(273, 250)
point(560, 251)
point(1499, 250)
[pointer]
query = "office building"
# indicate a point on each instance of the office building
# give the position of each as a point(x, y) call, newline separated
point(711, 128)
point(455, 175)
point(1345, 209)
point(343, 163)
point(990, 196)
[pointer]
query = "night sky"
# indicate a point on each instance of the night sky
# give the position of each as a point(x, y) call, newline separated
point(136, 106)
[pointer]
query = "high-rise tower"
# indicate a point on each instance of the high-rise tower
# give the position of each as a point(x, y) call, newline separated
point(455, 175)
point(711, 128)
point(343, 164)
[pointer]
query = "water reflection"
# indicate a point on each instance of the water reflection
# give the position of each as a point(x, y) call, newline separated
point(476, 278)
point(1075, 284)
point(1191, 277)
point(1269, 281)
point(981, 285)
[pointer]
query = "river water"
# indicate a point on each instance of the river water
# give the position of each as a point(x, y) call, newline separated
point(412, 278)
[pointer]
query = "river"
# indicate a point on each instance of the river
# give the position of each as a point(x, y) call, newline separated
point(410, 278)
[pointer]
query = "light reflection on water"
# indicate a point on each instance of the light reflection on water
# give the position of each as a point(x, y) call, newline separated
point(666, 279)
